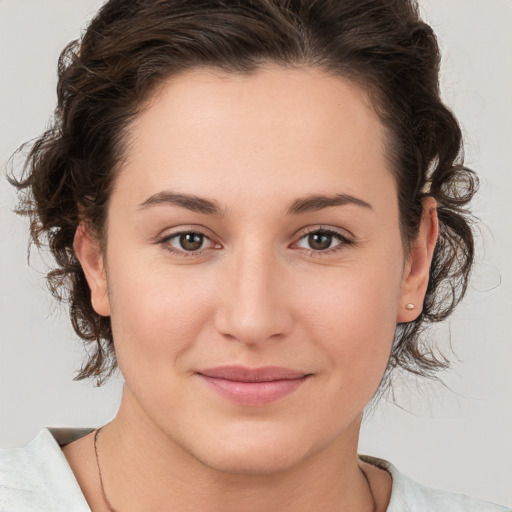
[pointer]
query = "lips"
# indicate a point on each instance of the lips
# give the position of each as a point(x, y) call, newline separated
point(241, 374)
point(253, 386)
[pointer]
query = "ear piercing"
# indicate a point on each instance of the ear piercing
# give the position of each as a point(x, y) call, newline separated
point(410, 306)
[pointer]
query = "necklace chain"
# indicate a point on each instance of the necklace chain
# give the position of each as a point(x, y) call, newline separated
point(112, 509)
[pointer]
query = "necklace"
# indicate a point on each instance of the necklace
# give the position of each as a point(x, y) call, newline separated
point(112, 509)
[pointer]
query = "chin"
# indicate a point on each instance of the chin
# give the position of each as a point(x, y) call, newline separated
point(263, 462)
point(255, 453)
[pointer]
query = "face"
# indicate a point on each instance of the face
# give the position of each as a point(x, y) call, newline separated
point(253, 225)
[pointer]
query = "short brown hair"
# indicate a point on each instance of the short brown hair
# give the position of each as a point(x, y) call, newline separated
point(130, 46)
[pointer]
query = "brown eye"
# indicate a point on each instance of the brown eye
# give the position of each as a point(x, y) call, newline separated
point(191, 241)
point(188, 243)
point(324, 242)
point(320, 241)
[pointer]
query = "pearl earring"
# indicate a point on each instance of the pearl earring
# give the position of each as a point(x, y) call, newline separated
point(410, 306)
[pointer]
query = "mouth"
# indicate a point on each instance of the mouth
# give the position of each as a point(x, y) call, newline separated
point(253, 386)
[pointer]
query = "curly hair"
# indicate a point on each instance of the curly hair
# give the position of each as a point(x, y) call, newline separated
point(130, 46)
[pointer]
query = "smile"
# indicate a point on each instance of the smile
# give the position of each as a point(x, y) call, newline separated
point(253, 387)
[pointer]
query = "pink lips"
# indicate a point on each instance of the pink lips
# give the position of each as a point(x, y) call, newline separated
point(259, 386)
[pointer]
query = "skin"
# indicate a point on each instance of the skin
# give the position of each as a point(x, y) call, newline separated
point(255, 294)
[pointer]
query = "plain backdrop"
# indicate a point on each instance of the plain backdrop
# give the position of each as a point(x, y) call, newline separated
point(457, 437)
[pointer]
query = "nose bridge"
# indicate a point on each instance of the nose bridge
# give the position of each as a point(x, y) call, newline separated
point(253, 304)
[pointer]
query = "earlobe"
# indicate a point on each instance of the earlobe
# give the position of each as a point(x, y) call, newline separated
point(89, 254)
point(417, 268)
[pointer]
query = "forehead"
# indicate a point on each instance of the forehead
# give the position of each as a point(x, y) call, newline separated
point(277, 125)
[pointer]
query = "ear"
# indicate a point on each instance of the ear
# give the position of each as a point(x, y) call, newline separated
point(87, 250)
point(417, 266)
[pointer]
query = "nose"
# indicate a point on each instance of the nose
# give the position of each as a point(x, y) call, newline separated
point(253, 300)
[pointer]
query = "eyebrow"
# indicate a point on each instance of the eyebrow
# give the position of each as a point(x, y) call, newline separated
point(318, 202)
point(188, 201)
point(310, 203)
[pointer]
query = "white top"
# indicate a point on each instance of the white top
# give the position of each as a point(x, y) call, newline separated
point(38, 478)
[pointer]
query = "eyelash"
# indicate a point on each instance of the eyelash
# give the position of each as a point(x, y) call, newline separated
point(343, 239)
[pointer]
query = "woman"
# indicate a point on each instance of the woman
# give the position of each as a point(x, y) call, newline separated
point(255, 209)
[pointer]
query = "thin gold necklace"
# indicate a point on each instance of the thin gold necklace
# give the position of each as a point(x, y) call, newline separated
point(112, 509)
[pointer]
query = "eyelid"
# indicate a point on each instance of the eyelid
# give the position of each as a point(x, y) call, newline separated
point(342, 233)
point(183, 228)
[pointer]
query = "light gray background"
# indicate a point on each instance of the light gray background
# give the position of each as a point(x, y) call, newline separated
point(457, 439)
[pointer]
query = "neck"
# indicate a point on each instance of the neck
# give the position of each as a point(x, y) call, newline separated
point(144, 469)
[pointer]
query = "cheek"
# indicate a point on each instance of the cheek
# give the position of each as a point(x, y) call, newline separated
point(353, 317)
point(157, 314)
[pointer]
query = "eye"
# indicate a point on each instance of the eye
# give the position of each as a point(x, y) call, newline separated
point(324, 241)
point(191, 242)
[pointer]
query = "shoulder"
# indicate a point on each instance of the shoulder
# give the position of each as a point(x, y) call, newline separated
point(38, 477)
point(406, 494)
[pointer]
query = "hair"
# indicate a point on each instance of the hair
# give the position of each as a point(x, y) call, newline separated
point(131, 46)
